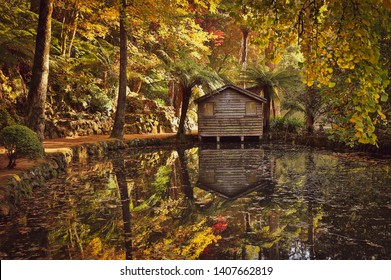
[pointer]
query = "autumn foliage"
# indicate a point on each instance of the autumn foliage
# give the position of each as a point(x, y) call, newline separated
point(341, 52)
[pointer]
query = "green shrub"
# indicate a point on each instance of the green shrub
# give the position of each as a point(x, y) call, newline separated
point(281, 124)
point(277, 123)
point(294, 125)
point(18, 141)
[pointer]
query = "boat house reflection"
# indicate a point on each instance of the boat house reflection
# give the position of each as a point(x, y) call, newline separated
point(233, 173)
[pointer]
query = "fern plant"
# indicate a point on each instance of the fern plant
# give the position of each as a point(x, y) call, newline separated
point(271, 83)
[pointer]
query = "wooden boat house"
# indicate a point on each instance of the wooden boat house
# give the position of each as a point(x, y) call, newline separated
point(230, 111)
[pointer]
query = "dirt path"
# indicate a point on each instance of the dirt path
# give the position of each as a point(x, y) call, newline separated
point(53, 145)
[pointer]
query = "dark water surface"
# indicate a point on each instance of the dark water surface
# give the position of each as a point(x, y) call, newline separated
point(269, 202)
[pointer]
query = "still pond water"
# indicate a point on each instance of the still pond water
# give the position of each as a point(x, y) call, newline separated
point(268, 202)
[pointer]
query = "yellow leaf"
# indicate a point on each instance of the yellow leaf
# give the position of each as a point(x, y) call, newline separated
point(331, 84)
point(382, 116)
point(353, 120)
point(363, 140)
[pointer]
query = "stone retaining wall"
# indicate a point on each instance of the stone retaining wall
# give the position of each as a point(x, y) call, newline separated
point(22, 185)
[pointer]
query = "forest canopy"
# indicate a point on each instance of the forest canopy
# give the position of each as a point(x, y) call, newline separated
point(178, 50)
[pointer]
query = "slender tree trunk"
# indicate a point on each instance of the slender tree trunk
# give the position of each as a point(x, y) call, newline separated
point(185, 106)
point(119, 121)
point(64, 35)
point(244, 50)
point(72, 34)
point(266, 109)
point(39, 82)
point(178, 100)
point(11, 161)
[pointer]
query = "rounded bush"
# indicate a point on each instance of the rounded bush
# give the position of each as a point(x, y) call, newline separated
point(19, 141)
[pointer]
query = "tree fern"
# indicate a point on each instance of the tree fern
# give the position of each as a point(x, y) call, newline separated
point(271, 83)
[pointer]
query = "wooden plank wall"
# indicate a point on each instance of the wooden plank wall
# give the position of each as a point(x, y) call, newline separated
point(230, 116)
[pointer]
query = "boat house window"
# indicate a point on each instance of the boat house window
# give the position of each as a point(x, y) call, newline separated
point(251, 108)
point(208, 109)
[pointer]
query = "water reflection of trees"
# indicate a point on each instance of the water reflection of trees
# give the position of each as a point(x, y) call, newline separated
point(71, 217)
point(87, 227)
point(148, 205)
point(119, 171)
point(162, 225)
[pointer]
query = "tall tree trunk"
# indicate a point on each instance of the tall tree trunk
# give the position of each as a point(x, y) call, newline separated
point(119, 121)
point(309, 121)
point(39, 82)
point(311, 103)
point(171, 93)
point(266, 109)
point(244, 47)
point(185, 106)
point(244, 50)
